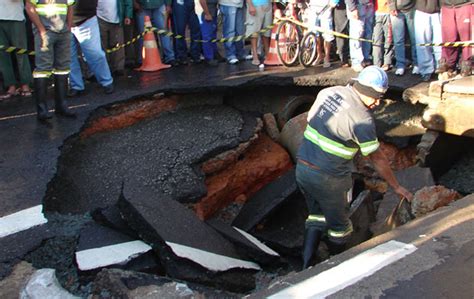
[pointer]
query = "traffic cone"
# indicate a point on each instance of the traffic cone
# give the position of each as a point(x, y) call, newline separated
point(272, 57)
point(150, 54)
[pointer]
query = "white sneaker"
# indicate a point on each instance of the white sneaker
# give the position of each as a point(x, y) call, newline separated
point(233, 61)
point(249, 57)
point(400, 71)
point(415, 71)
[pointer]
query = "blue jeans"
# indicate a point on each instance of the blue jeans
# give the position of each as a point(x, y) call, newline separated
point(361, 28)
point(233, 26)
point(184, 15)
point(87, 36)
point(428, 30)
point(158, 20)
point(326, 199)
point(209, 32)
point(398, 29)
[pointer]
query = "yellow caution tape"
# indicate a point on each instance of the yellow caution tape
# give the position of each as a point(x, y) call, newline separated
point(243, 37)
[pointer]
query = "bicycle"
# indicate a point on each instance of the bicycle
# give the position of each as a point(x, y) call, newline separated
point(292, 45)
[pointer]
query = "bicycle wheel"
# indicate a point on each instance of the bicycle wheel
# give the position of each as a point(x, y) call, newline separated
point(288, 38)
point(308, 51)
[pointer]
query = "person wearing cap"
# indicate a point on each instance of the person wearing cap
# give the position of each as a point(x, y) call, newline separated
point(339, 125)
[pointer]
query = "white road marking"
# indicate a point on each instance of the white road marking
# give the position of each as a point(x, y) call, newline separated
point(209, 260)
point(110, 255)
point(348, 272)
point(257, 243)
point(21, 220)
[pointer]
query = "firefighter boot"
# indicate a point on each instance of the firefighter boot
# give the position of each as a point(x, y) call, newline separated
point(60, 91)
point(335, 248)
point(41, 87)
point(312, 237)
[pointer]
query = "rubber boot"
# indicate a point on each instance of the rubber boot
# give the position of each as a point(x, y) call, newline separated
point(312, 237)
point(335, 248)
point(60, 92)
point(41, 88)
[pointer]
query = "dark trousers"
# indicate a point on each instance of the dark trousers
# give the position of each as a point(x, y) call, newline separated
point(326, 198)
point(184, 15)
point(110, 35)
point(341, 25)
point(13, 34)
point(454, 28)
point(209, 32)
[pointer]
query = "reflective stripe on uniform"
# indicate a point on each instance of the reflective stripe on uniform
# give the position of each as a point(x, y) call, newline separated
point(328, 145)
point(42, 74)
point(51, 9)
point(61, 72)
point(340, 234)
point(316, 218)
point(369, 147)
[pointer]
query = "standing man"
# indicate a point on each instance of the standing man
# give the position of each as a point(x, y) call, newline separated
point(52, 21)
point(184, 15)
point(361, 24)
point(233, 18)
point(209, 30)
point(86, 34)
point(159, 12)
point(13, 34)
point(339, 123)
point(403, 12)
point(259, 15)
point(113, 14)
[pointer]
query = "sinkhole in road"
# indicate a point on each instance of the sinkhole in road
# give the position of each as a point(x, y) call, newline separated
point(200, 188)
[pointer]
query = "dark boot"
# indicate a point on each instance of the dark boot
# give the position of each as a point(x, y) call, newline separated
point(41, 88)
point(335, 248)
point(312, 237)
point(60, 92)
point(442, 66)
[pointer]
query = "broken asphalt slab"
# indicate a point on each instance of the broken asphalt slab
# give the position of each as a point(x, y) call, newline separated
point(100, 247)
point(188, 248)
point(266, 200)
point(163, 152)
point(246, 244)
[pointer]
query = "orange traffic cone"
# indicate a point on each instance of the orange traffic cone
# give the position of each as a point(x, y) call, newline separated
point(272, 57)
point(150, 54)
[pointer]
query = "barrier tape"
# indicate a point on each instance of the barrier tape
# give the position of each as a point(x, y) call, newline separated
point(338, 34)
point(159, 31)
point(242, 37)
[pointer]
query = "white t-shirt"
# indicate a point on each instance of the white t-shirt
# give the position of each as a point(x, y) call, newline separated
point(107, 10)
point(12, 10)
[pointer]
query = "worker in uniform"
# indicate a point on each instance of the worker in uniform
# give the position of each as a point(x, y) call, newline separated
point(52, 20)
point(339, 124)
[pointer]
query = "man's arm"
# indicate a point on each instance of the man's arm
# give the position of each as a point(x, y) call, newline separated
point(383, 168)
point(352, 7)
point(207, 13)
point(34, 18)
point(251, 8)
point(69, 18)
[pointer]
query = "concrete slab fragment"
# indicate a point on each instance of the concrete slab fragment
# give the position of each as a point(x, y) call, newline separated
point(463, 85)
point(43, 284)
point(185, 245)
point(245, 243)
point(266, 200)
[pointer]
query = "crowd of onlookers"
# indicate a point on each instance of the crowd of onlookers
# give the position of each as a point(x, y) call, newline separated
point(397, 27)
